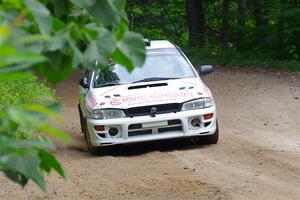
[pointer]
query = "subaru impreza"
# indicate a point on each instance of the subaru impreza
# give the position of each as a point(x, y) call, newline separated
point(163, 99)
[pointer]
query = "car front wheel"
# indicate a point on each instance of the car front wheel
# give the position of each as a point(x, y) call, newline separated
point(93, 150)
point(207, 139)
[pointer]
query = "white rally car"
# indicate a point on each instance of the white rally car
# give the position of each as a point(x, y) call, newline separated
point(163, 99)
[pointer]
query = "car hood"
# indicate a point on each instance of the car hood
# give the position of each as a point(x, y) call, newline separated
point(147, 93)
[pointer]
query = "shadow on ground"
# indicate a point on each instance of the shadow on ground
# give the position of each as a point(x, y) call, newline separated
point(140, 148)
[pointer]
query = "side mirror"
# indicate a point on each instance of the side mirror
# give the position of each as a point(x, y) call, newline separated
point(205, 69)
point(83, 83)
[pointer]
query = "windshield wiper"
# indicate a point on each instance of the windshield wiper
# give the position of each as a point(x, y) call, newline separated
point(108, 84)
point(153, 79)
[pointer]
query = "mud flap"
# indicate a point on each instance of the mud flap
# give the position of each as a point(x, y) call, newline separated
point(82, 124)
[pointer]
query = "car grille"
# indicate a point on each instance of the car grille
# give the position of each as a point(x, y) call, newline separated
point(145, 110)
point(136, 129)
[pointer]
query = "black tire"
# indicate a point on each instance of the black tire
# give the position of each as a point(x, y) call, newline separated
point(93, 150)
point(207, 139)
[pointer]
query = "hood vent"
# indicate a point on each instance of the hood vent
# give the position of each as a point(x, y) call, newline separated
point(148, 85)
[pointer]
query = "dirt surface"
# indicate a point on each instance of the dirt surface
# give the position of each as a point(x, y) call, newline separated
point(257, 157)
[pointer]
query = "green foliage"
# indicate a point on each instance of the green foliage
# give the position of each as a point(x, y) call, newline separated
point(127, 48)
point(71, 35)
point(52, 37)
point(41, 15)
point(159, 19)
point(271, 27)
point(22, 154)
point(18, 89)
point(233, 58)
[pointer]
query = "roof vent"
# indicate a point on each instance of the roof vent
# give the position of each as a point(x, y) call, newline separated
point(146, 86)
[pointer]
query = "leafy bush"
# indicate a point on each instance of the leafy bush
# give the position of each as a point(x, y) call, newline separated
point(23, 150)
point(268, 26)
point(23, 154)
point(17, 90)
point(53, 38)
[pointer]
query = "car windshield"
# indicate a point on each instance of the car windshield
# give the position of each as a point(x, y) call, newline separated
point(160, 64)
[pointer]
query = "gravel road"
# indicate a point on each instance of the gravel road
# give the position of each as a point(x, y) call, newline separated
point(257, 157)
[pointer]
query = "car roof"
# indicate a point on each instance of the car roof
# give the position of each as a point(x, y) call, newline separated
point(160, 44)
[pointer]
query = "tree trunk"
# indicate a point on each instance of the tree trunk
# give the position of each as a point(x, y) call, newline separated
point(225, 25)
point(241, 18)
point(260, 21)
point(259, 12)
point(280, 36)
point(196, 22)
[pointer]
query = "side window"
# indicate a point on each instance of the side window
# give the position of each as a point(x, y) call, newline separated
point(89, 77)
point(86, 73)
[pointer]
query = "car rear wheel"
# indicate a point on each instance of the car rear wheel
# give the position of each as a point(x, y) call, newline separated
point(207, 139)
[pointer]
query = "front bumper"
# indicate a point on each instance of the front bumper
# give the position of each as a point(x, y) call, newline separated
point(147, 128)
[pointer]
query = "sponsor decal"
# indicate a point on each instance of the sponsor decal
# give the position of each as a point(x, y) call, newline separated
point(116, 102)
point(91, 102)
point(151, 98)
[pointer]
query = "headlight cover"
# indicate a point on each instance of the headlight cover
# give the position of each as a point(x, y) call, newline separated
point(205, 102)
point(108, 114)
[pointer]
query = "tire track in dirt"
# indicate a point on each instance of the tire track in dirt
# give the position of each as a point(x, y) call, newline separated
point(244, 169)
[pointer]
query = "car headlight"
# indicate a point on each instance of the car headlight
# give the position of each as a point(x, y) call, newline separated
point(108, 114)
point(205, 102)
